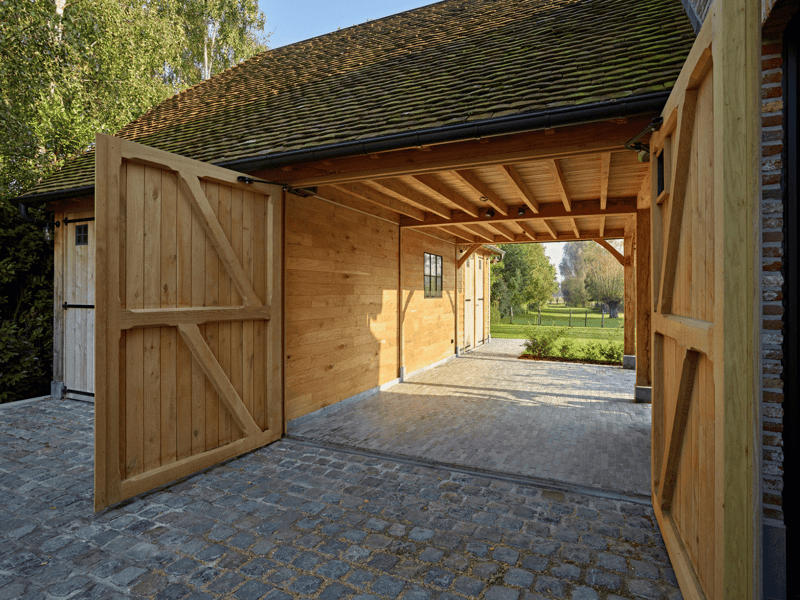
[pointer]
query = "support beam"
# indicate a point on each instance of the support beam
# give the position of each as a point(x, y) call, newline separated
point(527, 229)
point(644, 300)
point(552, 231)
point(439, 189)
point(575, 227)
point(629, 333)
point(551, 210)
point(483, 190)
point(558, 178)
point(502, 230)
point(459, 234)
point(605, 172)
point(470, 251)
point(613, 251)
point(602, 225)
point(363, 192)
point(478, 231)
point(409, 194)
point(514, 179)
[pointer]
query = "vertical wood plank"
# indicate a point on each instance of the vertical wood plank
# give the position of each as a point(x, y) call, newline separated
point(248, 326)
point(169, 299)
point(259, 281)
point(91, 283)
point(134, 273)
point(236, 366)
point(198, 299)
point(275, 257)
point(151, 423)
point(224, 212)
point(59, 272)
point(644, 301)
point(121, 261)
point(629, 340)
point(184, 378)
point(212, 329)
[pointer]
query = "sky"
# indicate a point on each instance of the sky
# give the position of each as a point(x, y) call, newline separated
point(296, 20)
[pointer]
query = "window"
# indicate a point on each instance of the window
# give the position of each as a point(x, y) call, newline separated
point(433, 276)
point(81, 235)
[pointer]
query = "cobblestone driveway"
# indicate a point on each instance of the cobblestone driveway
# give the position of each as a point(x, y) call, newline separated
point(488, 410)
point(297, 521)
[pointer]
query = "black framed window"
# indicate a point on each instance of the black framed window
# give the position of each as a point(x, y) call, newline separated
point(81, 235)
point(433, 276)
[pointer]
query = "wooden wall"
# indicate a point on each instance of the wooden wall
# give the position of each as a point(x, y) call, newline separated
point(341, 283)
point(427, 322)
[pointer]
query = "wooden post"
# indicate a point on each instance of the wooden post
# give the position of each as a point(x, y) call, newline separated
point(570, 317)
point(540, 315)
point(644, 301)
point(629, 343)
point(602, 316)
point(59, 266)
point(586, 318)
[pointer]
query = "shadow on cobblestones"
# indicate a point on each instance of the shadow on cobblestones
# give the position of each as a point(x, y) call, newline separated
point(297, 521)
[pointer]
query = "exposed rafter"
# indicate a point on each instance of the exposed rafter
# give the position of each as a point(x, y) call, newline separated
point(527, 230)
point(409, 194)
point(550, 228)
point(502, 230)
point(558, 176)
point(565, 236)
point(478, 231)
point(441, 190)
point(583, 208)
point(459, 234)
point(575, 227)
point(602, 225)
point(514, 178)
point(483, 190)
point(605, 172)
point(364, 192)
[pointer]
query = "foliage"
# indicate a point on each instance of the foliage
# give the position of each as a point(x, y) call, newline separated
point(523, 279)
point(494, 313)
point(605, 279)
point(574, 291)
point(542, 340)
point(67, 71)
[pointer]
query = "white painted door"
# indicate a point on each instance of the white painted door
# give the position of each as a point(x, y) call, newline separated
point(469, 303)
point(79, 306)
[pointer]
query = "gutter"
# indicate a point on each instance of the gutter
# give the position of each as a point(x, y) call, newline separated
point(547, 119)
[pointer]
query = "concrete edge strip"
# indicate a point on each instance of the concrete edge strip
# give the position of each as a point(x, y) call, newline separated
point(562, 486)
point(19, 403)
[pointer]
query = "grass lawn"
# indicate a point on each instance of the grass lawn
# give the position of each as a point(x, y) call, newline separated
point(558, 316)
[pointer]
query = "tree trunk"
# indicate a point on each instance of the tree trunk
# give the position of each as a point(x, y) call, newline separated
point(512, 316)
point(613, 310)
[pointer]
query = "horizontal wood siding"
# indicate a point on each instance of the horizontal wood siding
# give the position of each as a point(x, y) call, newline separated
point(341, 303)
point(427, 322)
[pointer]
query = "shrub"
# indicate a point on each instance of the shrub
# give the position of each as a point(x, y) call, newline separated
point(565, 348)
point(494, 314)
point(612, 351)
point(542, 341)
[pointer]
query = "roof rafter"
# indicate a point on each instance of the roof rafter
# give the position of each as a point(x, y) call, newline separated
point(605, 173)
point(411, 195)
point(514, 178)
point(552, 231)
point(502, 230)
point(527, 229)
point(558, 176)
point(478, 231)
point(483, 190)
point(359, 190)
point(441, 190)
point(459, 234)
point(575, 227)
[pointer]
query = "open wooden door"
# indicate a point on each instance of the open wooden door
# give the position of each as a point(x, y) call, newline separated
point(188, 317)
point(704, 166)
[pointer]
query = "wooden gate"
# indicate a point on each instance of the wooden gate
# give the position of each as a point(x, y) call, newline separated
point(704, 167)
point(188, 317)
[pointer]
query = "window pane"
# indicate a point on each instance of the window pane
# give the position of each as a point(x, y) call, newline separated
point(439, 266)
point(427, 264)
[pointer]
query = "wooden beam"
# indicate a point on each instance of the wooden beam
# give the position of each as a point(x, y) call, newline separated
point(643, 299)
point(629, 326)
point(478, 231)
point(564, 236)
point(680, 177)
point(171, 317)
point(483, 190)
point(527, 229)
point(514, 179)
point(363, 192)
point(470, 251)
point(689, 332)
point(411, 195)
point(577, 140)
point(672, 451)
point(212, 369)
point(575, 227)
point(499, 228)
point(551, 210)
point(459, 234)
point(558, 180)
point(602, 225)
point(605, 172)
point(614, 252)
point(552, 231)
point(440, 189)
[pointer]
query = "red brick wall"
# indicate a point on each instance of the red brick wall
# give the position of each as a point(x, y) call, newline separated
point(772, 279)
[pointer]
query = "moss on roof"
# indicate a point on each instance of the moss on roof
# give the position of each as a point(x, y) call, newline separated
point(447, 63)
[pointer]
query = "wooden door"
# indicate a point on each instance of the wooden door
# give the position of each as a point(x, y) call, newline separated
point(704, 167)
point(78, 306)
point(479, 334)
point(188, 317)
point(469, 303)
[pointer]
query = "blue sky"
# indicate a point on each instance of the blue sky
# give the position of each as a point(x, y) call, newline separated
point(296, 20)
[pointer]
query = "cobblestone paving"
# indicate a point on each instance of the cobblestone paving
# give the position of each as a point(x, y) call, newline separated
point(489, 410)
point(294, 520)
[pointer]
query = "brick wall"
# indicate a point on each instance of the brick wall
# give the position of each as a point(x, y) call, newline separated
point(772, 278)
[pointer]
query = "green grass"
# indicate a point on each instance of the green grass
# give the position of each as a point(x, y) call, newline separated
point(558, 316)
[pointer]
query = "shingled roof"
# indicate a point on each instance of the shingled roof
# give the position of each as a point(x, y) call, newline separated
point(454, 62)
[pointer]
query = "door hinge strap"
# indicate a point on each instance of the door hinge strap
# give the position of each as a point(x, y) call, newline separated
point(67, 305)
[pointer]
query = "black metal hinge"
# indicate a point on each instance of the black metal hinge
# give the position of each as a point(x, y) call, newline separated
point(67, 305)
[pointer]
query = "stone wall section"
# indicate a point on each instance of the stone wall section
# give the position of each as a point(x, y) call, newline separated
point(772, 222)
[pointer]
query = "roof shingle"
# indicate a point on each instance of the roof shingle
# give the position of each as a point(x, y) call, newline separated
point(452, 62)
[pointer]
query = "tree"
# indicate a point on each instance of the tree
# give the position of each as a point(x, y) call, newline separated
point(525, 277)
point(573, 273)
point(219, 34)
point(605, 278)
